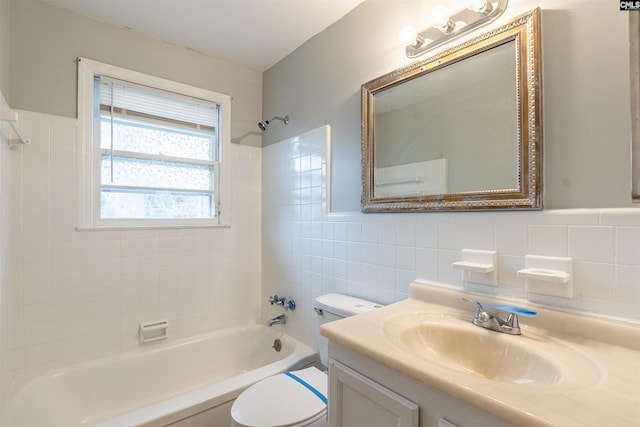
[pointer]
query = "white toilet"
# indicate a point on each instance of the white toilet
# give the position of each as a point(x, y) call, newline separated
point(297, 398)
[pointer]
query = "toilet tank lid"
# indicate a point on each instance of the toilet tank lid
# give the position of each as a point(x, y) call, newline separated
point(344, 305)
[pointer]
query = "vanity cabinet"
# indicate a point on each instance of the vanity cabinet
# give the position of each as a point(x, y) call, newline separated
point(360, 401)
point(366, 393)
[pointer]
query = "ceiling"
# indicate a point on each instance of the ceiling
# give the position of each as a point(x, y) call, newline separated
point(253, 33)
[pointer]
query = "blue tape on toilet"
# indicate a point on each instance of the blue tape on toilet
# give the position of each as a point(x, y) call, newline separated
point(309, 386)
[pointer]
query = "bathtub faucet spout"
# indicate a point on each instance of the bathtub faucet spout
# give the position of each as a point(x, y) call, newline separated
point(278, 320)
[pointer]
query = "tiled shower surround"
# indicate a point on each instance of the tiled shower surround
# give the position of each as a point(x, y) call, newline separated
point(80, 295)
point(307, 253)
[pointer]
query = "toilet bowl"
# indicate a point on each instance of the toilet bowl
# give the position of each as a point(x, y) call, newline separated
point(297, 398)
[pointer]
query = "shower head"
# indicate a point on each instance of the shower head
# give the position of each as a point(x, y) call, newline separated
point(263, 125)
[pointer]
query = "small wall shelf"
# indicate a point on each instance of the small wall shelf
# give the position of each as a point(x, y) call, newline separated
point(552, 276)
point(16, 135)
point(478, 266)
point(548, 275)
point(474, 266)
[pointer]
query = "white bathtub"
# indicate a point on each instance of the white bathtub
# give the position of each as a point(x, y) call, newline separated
point(192, 382)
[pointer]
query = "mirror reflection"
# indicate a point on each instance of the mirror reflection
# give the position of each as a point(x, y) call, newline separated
point(457, 131)
point(448, 127)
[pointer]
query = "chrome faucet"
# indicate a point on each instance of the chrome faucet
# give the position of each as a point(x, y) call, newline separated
point(492, 320)
point(285, 302)
point(278, 320)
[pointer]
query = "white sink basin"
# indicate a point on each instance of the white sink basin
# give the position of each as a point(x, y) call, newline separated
point(457, 344)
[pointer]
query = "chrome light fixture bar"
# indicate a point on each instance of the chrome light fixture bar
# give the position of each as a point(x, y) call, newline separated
point(445, 25)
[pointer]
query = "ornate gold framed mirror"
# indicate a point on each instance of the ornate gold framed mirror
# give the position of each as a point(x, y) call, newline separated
point(460, 130)
point(634, 52)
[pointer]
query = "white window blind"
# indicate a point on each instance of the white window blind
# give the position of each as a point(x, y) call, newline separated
point(141, 100)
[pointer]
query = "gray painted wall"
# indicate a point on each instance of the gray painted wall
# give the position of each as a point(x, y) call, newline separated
point(7, 314)
point(4, 47)
point(585, 94)
point(45, 42)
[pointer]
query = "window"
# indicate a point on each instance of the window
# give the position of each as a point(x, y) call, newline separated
point(152, 150)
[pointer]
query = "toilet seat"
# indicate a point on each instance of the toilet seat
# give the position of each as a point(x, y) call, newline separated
point(283, 400)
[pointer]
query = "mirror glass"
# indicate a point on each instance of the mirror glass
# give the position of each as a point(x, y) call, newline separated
point(458, 131)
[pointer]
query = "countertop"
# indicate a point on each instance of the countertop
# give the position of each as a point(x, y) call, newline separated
point(603, 390)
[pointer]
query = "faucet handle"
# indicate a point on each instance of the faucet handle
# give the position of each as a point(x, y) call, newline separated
point(480, 314)
point(512, 321)
point(277, 300)
point(479, 307)
point(285, 302)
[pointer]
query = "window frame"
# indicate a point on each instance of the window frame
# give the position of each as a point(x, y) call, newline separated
point(88, 206)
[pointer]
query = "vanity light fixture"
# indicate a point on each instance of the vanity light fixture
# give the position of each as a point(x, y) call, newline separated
point(447, 24)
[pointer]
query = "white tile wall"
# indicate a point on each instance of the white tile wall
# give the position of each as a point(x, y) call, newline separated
point(81, 295)
point(375, 256)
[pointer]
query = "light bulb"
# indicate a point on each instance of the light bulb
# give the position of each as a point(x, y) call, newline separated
point(408, 36)
point(439, 18)
point(479, 6)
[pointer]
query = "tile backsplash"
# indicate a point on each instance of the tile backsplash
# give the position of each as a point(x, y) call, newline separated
point(307, 252)
point(80, 295)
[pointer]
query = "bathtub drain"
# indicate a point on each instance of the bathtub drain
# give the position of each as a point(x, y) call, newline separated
point(277, 345)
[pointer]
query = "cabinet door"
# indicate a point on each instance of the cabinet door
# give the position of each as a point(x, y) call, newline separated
point(357, 401)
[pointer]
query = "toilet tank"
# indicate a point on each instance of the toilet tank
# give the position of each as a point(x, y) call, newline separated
point(331, 307)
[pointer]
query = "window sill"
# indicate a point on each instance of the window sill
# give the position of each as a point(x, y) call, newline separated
point(146, 227)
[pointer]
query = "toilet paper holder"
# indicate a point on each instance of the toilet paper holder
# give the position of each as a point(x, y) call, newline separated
point(153, 331)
